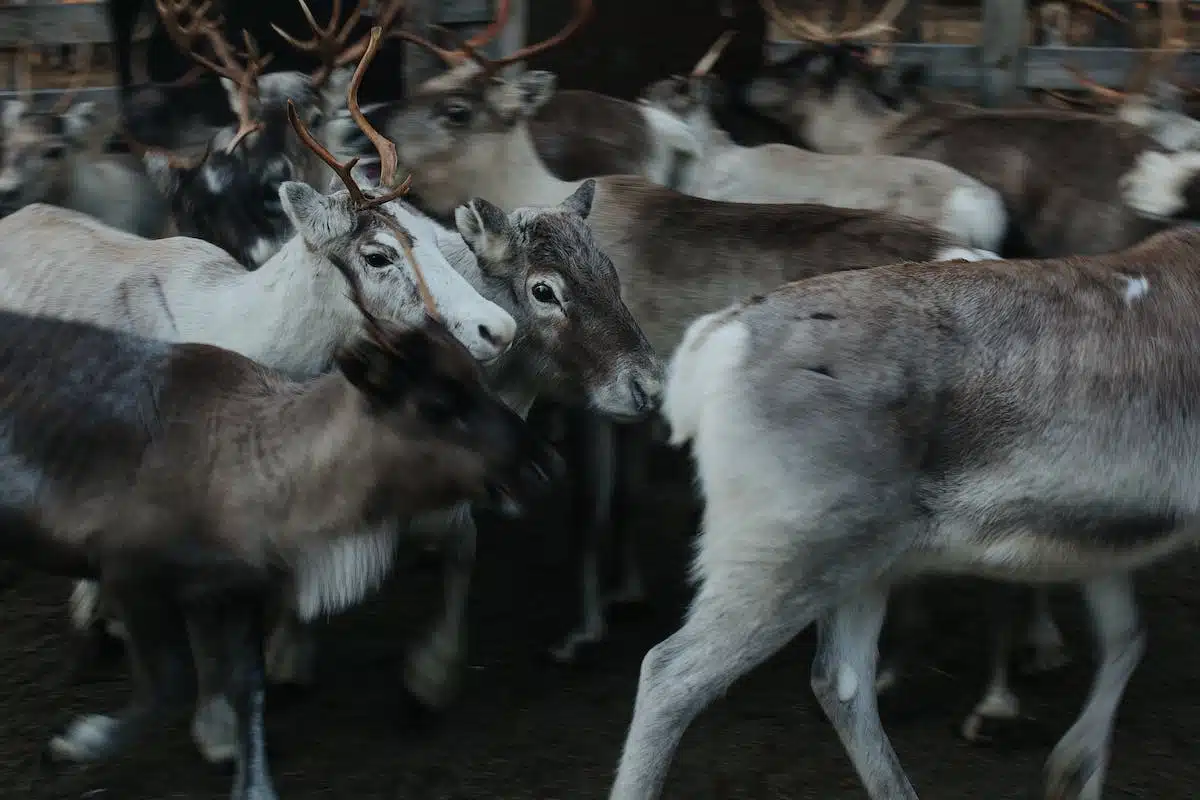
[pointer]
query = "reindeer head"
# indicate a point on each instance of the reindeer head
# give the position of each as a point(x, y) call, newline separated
point(227, 202)
point(461, 121)
point(834, 94)
point(434, 417)
point(36, 149)
point(578, 340)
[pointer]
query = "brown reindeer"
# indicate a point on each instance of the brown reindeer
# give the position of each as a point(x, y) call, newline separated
point(188, 479)
point(1063, 174)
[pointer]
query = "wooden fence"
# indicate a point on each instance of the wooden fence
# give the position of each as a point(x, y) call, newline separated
point(632, 42)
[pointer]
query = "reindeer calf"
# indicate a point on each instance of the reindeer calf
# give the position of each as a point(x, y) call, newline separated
point(188, 480)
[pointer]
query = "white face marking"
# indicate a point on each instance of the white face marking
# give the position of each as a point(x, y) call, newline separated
point(847, 683)
point(1135, 287)
point(485, 329)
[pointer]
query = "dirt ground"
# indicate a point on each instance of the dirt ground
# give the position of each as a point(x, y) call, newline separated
point(525, 728)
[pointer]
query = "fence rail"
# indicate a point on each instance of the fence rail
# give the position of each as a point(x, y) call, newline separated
point(957, 66)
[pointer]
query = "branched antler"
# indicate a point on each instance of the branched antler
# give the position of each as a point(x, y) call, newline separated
point(469, 49)
point(806, 30)
point(329, 41)
point(1157, 61)
point(187, 36)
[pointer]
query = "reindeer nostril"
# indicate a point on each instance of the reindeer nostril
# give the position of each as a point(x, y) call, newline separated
point(488, 336)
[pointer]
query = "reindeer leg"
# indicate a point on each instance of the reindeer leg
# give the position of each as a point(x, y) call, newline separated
point(162, 671)
point(244, 643)
point(1000, 704)
point(1047, 651)
point(1076, 768)
point(745, 610)
point(633, 451)
point(593, 454)
point(291, 648)
point(843, 680)
point(432, 671)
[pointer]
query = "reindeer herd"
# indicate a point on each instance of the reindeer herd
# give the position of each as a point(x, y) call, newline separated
point(918, 337)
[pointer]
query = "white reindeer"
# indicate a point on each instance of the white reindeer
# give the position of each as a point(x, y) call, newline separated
point(1030, 421)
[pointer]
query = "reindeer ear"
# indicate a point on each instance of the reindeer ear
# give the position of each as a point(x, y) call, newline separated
point(488, 233)
point(13, 111)
point(524, 95)
point(580, 202)
point(318, 219)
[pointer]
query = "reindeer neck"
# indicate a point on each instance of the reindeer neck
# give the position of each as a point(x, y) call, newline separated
point(291, 313)
point(303, 461)
point(518, 176)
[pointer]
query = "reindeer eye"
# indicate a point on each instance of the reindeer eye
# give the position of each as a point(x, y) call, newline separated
point(55, 151)
point(543, 293)
point(457, 112)
point(377, 260)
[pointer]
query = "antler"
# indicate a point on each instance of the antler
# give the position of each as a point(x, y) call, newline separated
point(707, 61)
point(173, 161)
point(806, 30)
point(453, 58)
point(1173, 41)
point(329, 42)
point(387, 159)
point(470, 47)
point(387, 150)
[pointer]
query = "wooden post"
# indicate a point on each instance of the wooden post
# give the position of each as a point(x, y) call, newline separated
point(1002, 51)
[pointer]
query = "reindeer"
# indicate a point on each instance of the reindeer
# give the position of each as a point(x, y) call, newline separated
point(780, 173)
point(289, 313)
point(582, 346)
point(1061, 173)
point(142, 477)
point(46, 157)
point(1071, 181)
point(464, 134)
point(1149, 100)
point(1032, 421)
point(230, 197)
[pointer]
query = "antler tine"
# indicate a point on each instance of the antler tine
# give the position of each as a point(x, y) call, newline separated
point(707, 61)
point(1100, 91)
point(1100, 8)
point(184, 36)
point(467, 49)
point(389, 161)
point(247, 86)
point(882, 23)
point(583, 10)
point(343, 171)
point(797, 25)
